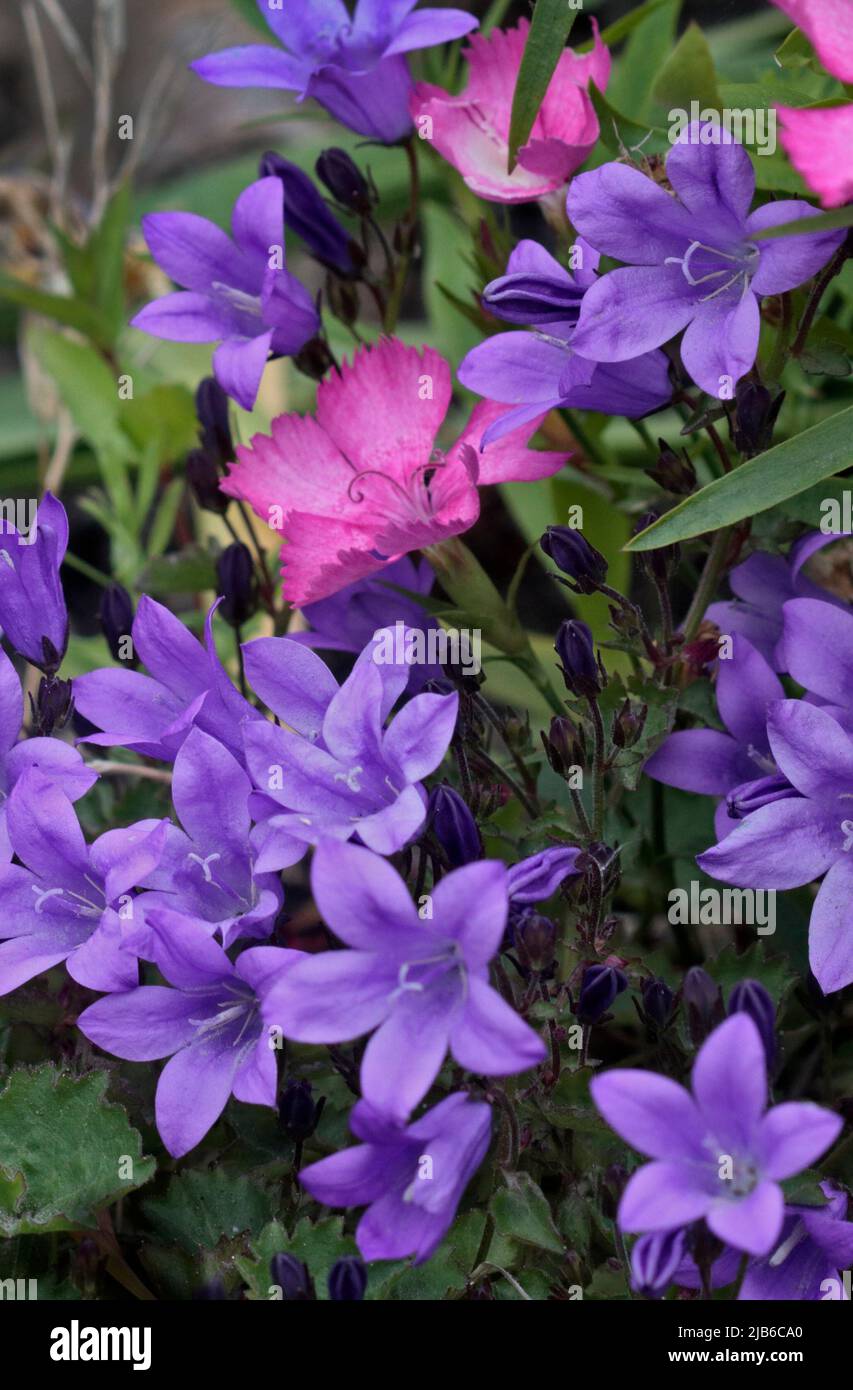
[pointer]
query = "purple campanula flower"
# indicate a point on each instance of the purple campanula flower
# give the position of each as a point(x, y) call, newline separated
point(58, 762)
point(453, 825)
point(691, 261)
point(418, 976)
point(410, 1202)
point(534, 879)
point(347, 620)
point(207, 868)
point(235, 292)
point(717, 1153)
point(347, 1280)
point(731, 764)
point(817, 638)
point(599, 987)
point(33, 616)
point(762, 585)
point(655, 1260)
point(815, 1247)
point(580, 668)
point(750, 997)
point(307, 213)
point(336, 771)
point(187, 684)
point(214, 1024)
point(70, 901)
point(353, 65)
point(793, 841)
point(540, 370)
point(572, 553)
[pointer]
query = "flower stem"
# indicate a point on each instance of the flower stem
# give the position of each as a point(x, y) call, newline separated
point(708, 580)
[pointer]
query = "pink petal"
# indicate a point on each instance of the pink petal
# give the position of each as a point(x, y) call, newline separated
point(819, 144)
point(826, 23)
point(508, 459)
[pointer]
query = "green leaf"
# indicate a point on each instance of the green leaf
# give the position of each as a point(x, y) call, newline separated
point(804, 1190)
point(651, 41)
point(520, 1210)
point(249, 11)
point(784, 471)
point(618, 132)
point(822, 222)
point(796, 52)
point(88, 388)
point(106, 250)
point(74, 313)
point(183, 573)
point(621, 28)
point(688, 74)
point(551, 26)
point(200, 1207)
point(317, 1243)
point(63, 1150)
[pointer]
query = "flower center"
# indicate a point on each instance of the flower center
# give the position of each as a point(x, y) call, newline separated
point(415, 496)
point(417, 976)
point(239, 1004)
point(249, 304)
point(701, 265)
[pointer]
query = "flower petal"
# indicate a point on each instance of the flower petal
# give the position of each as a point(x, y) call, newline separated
point(653, 1114)
point(730, 1083)
point(661, 1196)
point(782, 845)
point(489, 1037)
point(795, 1135)
point(751, 1223)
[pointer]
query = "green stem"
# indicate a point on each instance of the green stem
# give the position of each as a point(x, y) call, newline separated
point(588, 445)
point(708, 580)
point(598, 770)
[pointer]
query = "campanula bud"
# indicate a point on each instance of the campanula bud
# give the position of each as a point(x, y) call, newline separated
point(297, 1111)
point(673, 471)
point(203, 476)
point(292, 1277)
point(572, 553)
point(454, 826)
point(599, 988)
point(116, 615)
point(347, 1280)
point(581, 671)
point(628, 724)
point(704, 1003)
point(658, 1002)
point(564, 744)
point(345, 181)
point(54, 705)
point(750, 997)
point(235, 573)
point(211, 407)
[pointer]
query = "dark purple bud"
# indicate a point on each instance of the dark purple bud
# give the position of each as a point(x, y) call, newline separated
point(314, 359)
point(750, 997)
point(573, 554)
point(755, 416)
point(203, 476)
point(292, 1277)
point(564, 744)
point(599, 988)
point(534, 937)
point(673, 471)
point(309, 216)
point(347, 1280)
point(750, 796)
point(628, 724)
point(658, 1002)
point(662, 563)
point(211, 407)
point(213, 1289)
point(235, 574)
point(655, 1260)
point(297, 1112)
point(345, 181)
point(454, 826)
point(53, 707)
point(116, 615)
point(528, 298)
point(581, 672)
point(343, 299)
point(704, 1003)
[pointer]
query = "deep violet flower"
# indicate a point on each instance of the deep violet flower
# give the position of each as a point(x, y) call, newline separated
point(187, 685)
point(716, 1153)
point(307, 213)
point(361, 483)
point(471, 130)
point(793, 841)
point(214, 1024)
point(58, 762)
point(418, 976)
point(71, 901)
point(235, 292)
point(336, 771)
point(410, 1178)
point(351, 64)
point(691, 261)
point(33, 616)
point(539, 370)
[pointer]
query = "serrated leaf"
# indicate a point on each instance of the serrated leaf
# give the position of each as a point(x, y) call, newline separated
point(551, 26)
point(201, 1207)
point(782, 472)
point(317, 1243)
point(521, 1211)
point(69, 1145)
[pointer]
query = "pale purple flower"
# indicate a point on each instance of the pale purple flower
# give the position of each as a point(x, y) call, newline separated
point(790, 842)
point(33, 616)
point(817, 638)
point(533, 879)
point(410, 1178)
point(57, 761)
point(237, 293)
point(207, 868)
point(336, 770)
point(215, 1025)
point(418, 976)
point(187, 684)
point(718, 1153)
point(71, 901)
point(541, 370)
point(762, 585)
point(692, 261)
point(351, 64)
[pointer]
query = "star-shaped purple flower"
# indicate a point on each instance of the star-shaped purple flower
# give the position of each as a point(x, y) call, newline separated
point(419, 976)
point(236, 292)
point(351, 64)
point(718, 1153)
point(692, 260)
point(71, 901)
point(214, 1024)
point(541, 369)
point(33, 616)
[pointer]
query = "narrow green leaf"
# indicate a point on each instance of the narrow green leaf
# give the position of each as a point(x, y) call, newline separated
point(822, 222)
point(107, 251)
point(618, 132)
point(72, 312)
point(552, 24)
point(782, 472)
